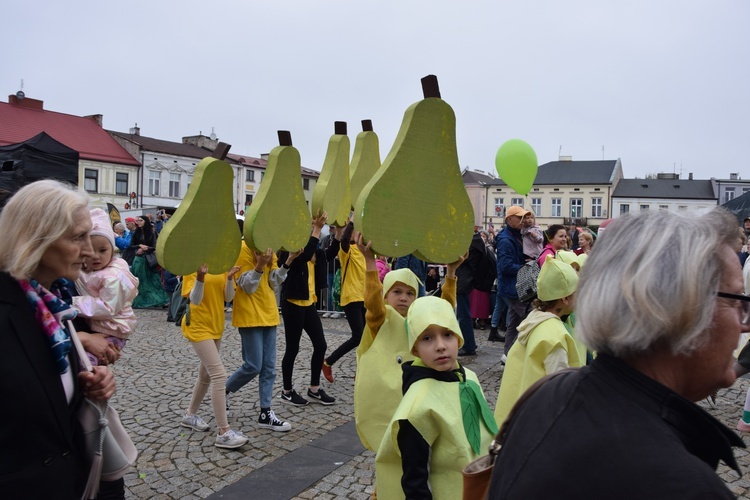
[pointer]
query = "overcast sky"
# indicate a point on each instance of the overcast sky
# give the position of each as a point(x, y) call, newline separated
point(663, 85)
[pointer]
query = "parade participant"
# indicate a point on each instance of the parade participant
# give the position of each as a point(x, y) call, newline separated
point(150, 291)
point(663, 315)
point(443, 421)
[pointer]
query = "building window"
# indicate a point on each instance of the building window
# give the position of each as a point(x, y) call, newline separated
point(174, 185)
point(248, 201)
point(517, 201)
point(90, 180)
point(728, 194)
point(624, 208)
point(644, 208)
point(576, 208)
point(596, 207)
point(556, 207)
point(262, 174)
point(121, 183)
point(249, 175)
point(682, 208)
point(664, 208)
point(154, 183)
point(306, 184)
point(499, 202)
point(536, 205)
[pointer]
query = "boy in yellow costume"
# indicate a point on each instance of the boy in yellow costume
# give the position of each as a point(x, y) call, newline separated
point(545, 344)
point(385, 346)
point(443, 421)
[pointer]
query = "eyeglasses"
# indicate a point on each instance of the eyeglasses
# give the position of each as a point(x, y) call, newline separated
point(744, 302)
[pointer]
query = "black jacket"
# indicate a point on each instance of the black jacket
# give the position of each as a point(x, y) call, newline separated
point(296, 284)
point(609, 431)
point(466, 271)
point(41, 447)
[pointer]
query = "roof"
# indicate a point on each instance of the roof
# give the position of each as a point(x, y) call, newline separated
point(477, 177)
point(665, 189)
point(165, 147)
point(558, 173)
point(251, 161)
point(19, 123)
point(739, 206)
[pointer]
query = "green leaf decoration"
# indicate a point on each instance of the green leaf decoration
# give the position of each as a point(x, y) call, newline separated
point(279, 218)
point(365, 159)
point(332, 193)
point(203, 230)
point(487, 416)
point(470, 414)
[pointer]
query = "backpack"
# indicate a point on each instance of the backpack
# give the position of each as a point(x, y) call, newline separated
point(526, 281)
point(486, 272)
point(179, 306)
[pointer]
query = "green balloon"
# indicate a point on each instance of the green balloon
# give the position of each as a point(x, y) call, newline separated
point(517, 165)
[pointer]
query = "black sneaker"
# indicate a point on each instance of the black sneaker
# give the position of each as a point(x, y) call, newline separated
point(321, 397)
point(293, 398)
point(268, 420)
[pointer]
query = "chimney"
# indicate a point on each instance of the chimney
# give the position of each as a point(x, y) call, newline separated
point(136, 130)
point(264, 156)
point(97, 118)
point(690, 176)
point(734, 176)
point(25, 102)
point(565, 158)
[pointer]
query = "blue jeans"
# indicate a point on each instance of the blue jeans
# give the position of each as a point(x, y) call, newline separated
point(463, 314)
point(258, 357)
point(499, 313)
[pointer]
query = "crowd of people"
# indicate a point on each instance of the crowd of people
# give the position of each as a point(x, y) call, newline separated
point(645, 339)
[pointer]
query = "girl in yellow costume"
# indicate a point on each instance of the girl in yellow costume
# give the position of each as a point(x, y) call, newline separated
point(443, 421)
point(385, 346)
point(545, 344)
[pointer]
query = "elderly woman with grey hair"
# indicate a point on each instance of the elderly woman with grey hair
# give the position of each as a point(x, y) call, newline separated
point(664, 316)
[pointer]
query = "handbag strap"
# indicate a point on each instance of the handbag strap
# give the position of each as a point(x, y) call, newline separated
point(502, 433)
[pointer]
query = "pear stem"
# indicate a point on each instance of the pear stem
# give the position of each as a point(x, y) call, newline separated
point(221, 151)
point(430, 87)
point(285, 138)
point(339, 128)
point(366, 125)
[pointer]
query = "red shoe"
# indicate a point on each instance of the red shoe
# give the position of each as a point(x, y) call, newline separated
point(327, 372)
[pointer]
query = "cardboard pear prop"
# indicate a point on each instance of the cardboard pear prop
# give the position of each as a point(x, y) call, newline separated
point(417, 202)
point(365, 159)
point(204, 228)
point(332, 192)
point(279, 217)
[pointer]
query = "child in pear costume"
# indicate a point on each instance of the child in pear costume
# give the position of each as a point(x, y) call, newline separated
point(443, 421)
point(256, 315)
point(385, 345)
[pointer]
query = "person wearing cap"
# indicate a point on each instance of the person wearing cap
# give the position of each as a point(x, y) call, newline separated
point(664, 316)
point(107, 289)
point(545, 344)
point(385, 345)
point(510, 258)
point(443, 421)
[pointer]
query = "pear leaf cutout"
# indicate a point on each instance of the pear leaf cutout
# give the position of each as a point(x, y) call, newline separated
point(420, 182)
point(332, 192)
point(365, 159)
point(279, 217)
point(203, 229)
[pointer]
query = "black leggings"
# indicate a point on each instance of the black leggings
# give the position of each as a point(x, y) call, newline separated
point(355, 315)
point(297, 318)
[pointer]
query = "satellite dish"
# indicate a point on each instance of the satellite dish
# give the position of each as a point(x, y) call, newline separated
point(20, 95)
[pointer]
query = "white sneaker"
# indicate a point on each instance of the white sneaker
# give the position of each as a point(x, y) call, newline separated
point(503, 359)
point(326, 315)
point(230, 439)
point(194, 422)
point(335, 315)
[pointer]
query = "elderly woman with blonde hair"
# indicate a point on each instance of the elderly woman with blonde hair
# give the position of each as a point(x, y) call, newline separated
point(663, 315)
point(42, 453)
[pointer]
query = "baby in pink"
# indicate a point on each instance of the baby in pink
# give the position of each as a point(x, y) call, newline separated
point(107, 288)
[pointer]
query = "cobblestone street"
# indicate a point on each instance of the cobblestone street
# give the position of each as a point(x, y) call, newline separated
point(155, 377)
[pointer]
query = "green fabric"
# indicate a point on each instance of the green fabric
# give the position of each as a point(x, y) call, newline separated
point(150, 291)
point(474, 407)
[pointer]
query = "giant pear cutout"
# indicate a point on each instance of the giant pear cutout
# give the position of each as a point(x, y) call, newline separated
point(417, 202)
point(279, 217)
point(332, 192)
point(365, 159)
point(203, 229)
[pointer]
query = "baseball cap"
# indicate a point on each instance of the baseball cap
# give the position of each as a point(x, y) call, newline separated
point(130, 219)
point(515, 210)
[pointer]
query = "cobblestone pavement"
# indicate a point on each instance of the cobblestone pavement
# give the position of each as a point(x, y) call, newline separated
point(155, 377)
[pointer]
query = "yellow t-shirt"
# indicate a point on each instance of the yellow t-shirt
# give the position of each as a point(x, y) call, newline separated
point(258, 308)
point(206, 318)
point(310, 286)
point(352, 275)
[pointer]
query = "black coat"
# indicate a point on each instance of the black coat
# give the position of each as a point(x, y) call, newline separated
point(609, 431)
point(41, 446)
point(295, 285)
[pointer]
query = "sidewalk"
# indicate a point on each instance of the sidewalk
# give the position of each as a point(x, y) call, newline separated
point(319, 458)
